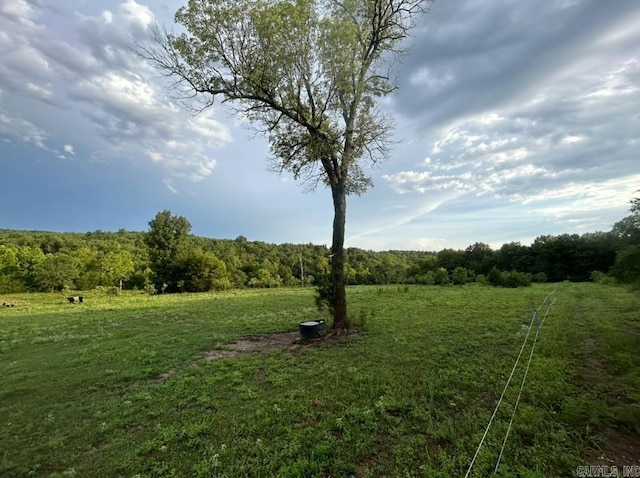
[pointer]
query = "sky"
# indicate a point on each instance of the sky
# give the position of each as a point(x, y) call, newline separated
point(513, 119)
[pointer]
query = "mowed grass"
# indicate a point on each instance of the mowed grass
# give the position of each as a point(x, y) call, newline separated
point(119, 387)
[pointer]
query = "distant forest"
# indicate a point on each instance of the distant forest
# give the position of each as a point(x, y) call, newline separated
point(167, 258)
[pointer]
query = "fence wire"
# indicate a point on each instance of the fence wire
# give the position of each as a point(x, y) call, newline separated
point(548, 301)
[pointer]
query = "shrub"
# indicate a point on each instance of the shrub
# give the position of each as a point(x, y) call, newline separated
point(460, 276)
point(509, 279)
point(441, 276)
point(149, 289)
point(600, 277)
point(425, 279)
point(516, 279)
point(324, 293)
point(495, 277)
point(540, 277)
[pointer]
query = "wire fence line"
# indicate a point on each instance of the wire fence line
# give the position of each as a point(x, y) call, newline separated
point(548, 302)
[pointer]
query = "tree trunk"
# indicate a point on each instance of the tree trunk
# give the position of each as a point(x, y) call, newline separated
point(339, 296)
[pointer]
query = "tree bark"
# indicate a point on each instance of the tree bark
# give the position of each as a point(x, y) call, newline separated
point(339, 302)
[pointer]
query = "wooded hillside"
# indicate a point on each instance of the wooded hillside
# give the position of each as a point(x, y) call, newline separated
point(45, 261)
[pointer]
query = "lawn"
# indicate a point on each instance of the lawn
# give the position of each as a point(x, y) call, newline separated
point(121, 386)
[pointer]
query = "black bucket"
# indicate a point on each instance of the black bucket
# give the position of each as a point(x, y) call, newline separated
point(312, 329)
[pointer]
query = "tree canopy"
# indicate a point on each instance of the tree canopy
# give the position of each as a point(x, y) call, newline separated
point(167, 243)
point(306, 73)
point(85, 261)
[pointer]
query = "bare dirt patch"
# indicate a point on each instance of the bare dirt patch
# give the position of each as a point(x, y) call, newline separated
point(594, 367)
point(163, 375)
point(254, 343)
point(619, 449)
point(289, 341)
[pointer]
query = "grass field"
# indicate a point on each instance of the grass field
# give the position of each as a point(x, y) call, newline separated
point(120, 387)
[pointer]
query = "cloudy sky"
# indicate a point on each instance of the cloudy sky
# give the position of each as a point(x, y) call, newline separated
point(513, 119)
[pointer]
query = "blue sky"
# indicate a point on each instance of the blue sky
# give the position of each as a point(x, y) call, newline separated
point(513, 120)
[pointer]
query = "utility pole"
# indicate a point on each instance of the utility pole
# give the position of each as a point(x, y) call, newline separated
point(301, 269)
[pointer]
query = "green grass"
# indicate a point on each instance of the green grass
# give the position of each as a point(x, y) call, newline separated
point(410, 396)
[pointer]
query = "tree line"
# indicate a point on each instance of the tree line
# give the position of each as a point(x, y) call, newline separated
point(168, 258)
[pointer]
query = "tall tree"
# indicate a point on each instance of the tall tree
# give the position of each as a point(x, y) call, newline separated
point(480, 258)
point(9, 269)
point(86, 261)
point(203, 271)
point(450, 259)
point(627, 263)
point(307, 74)
point(55, 272)
point(167, 241)
point(635, 205)
point(118, 266)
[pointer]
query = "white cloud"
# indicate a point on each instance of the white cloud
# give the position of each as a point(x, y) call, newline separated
point(137, 13)
point(586, 199)
point(23, 129)
point(19, 11)
point(118, 93)
point(69, 149)
point(571, 139)
point(39, 91)
point(92, 76)
point(169, 184)
point(538, 149)
point(107, 16)
point(154, 155)
point(28, 61)
point(204, 125)
point(425, 78)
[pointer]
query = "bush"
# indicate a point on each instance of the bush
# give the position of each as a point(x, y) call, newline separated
point(324, 293)
point(516, 279)
point(460, 276)
point(139, 279)
point(540, 277)
point(600, 277)
point(425, 279)
point(509, 279)
point(471, 275)
point(495, 277)
point(149, 289)
point(441, 276)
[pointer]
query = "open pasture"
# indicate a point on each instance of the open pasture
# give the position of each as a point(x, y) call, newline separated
point(128, 386)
